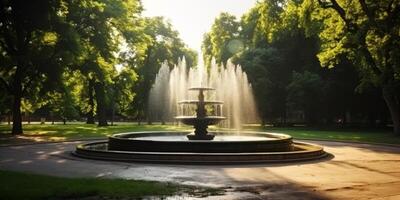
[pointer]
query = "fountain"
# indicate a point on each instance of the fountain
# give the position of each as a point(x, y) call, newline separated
point(201, 146)
point(229, 85)
point(201, 121)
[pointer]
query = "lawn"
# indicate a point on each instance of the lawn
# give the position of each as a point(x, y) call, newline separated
point(17, 185)
point(351, 135)
point(60, 132)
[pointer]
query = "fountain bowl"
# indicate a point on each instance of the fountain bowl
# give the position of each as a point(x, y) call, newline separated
point(226, 148)
point(193, 120)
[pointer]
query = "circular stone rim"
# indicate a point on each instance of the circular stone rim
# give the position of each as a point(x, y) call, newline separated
point(308, 152)
point(278, 136)
point(137, 141)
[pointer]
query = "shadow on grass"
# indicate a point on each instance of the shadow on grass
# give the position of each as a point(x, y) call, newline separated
point(57, 132)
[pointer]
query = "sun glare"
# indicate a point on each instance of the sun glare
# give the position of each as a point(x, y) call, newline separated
point(193, 18)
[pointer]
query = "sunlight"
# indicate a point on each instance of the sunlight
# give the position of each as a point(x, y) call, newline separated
point(193, 18)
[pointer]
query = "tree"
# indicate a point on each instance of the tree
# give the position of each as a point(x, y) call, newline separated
point(304, 93)
point(160, 43)
point(222, 41)
point(5, 102)
point(366, 32)
point(32, 33)
point(123, 91)
point(61, 104)
point(275, 48)
point(103, 27)
point(263, 66)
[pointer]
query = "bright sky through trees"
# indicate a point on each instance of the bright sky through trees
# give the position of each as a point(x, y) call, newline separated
point(192, 18)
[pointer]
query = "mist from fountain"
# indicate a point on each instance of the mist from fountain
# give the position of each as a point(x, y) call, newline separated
point(230, 82)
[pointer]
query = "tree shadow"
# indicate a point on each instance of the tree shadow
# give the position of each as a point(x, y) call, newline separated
point(278, 187)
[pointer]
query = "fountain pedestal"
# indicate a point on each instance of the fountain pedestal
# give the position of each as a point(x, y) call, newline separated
point(201, 121)
point(200, 132)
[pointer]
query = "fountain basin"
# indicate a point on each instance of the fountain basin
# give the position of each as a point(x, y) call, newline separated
point(227, 148)
point(162, 142)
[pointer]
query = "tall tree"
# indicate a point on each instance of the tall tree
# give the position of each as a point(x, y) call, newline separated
point(103, 27)
point(367, 32)
point(32, 33)
point(275, 48)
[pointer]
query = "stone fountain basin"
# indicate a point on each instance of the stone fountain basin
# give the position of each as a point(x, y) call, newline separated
point(224, 142)
point(193, 120)
point(227, 148)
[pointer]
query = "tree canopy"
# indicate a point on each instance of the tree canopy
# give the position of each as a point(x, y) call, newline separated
point(313, 60)
point(71, 59)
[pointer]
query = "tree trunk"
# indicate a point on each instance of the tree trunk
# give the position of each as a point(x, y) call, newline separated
point(392, 101)
point(139, 118)
point(17, 118)
point(16, 110)
point(90, 114)
point(113, 109)
point(112, 117)
point(101, 104)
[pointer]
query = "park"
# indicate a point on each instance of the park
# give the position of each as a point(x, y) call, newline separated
point(147, 99)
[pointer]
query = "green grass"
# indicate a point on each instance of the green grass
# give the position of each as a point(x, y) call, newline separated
point(17, 185)
point(59, 132)
point(351, 135)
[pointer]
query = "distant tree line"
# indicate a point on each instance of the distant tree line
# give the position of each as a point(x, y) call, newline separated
point(316, 62)
point(81, 59)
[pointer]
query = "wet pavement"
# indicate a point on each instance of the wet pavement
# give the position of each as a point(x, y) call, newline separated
point(354, 171)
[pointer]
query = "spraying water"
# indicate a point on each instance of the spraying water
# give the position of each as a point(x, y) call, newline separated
point(230, 83)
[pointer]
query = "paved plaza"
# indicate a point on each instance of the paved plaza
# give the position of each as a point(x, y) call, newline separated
point(354, 171)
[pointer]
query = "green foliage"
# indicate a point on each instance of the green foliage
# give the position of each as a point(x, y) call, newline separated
point(161, 44)
point(284, 48)
point(5, 102)
point(122, 93)
point(222, 42)
point(263, 68)
point(367, 33)
point(103, 27)
point(35, 48)
point(58, 58)
point(304, 93)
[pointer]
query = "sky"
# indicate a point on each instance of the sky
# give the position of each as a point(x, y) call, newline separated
point(193, 18)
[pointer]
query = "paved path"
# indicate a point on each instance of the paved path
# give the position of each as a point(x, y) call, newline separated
point(356, 171)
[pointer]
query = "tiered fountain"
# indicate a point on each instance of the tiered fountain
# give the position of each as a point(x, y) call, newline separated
point(201, 120)
point(201, 146)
